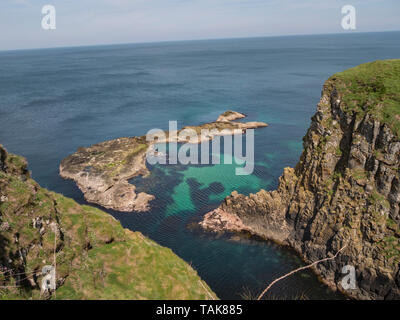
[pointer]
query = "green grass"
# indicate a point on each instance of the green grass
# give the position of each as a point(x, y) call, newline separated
point(377, 199)
point(96, 256)
point(17, 161)
point(373, 88)
point(378, 154)
point(338, 152)
point(140, 148)
point(391, 247)
point(391, 224)
point(359, 174)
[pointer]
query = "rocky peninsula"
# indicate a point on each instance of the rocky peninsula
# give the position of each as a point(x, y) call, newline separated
point(94, 257)
point(344, 191)
point(103, 170)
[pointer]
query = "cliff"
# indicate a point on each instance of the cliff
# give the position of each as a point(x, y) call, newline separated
point(345, 190)
point(95, 257)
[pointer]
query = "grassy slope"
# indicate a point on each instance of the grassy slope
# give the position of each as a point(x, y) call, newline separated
point(96, 257)
point(374, 88)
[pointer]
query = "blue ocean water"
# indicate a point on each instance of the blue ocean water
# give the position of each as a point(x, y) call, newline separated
point(53, 101)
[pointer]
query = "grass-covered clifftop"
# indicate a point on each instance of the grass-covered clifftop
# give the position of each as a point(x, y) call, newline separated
point(344, 193)
point(95, 257)
point(373, 88)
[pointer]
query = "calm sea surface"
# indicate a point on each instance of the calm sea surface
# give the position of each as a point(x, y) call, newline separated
point(53, 101)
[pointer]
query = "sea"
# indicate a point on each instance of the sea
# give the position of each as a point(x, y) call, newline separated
point(53, 101)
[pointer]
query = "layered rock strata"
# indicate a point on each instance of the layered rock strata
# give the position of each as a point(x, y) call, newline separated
point(344, 191)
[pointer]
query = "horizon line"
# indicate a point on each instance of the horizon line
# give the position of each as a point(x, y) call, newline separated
point(193, 40)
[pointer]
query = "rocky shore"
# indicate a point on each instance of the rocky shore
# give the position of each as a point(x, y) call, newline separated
point(103, 170)
point(345, 190)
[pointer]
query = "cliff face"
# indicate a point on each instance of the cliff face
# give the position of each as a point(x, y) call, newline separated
point(95, 257)
point(345, 190)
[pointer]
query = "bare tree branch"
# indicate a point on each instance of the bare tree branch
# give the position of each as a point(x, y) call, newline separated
point(297, 270)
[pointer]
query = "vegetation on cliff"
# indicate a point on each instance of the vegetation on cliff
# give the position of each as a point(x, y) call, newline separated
point(373, 88)
point(95, 257)
point(344, 191)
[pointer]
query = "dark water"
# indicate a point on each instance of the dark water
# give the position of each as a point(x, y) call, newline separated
point(56, 100)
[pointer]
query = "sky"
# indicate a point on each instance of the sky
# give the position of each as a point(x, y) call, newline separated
point(93, 22)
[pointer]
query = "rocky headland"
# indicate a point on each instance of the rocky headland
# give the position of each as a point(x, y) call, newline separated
point(94, 257)
point(344, 191)
point(102, 171)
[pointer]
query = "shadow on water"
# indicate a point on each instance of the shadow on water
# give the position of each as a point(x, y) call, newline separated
point(54, 101)
point(235, 266)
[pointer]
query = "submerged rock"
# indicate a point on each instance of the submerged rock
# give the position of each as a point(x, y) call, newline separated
point(102, 171)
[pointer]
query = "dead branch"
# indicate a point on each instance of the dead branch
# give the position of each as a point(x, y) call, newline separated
point(297, 270)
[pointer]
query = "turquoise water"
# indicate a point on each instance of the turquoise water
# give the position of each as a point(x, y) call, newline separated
point(221, 180)
point(55, 100)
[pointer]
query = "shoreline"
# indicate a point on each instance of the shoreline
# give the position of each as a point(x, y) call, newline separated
point(102, 171)
point(233, 224)
point(343, 193)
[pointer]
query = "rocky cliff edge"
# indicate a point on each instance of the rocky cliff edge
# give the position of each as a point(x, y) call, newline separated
point(344, 191)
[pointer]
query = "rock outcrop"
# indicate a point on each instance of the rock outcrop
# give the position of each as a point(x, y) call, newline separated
point(230, 116)
point(93, 256)
point(345, 190)
point(102, 171)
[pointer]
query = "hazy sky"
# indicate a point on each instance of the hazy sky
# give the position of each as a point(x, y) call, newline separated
point(88, 22)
